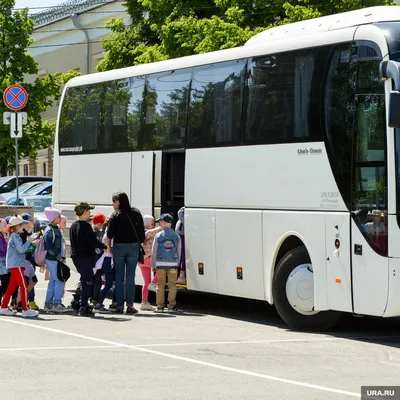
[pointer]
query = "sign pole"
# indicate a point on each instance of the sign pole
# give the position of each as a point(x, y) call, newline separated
point(16, 166)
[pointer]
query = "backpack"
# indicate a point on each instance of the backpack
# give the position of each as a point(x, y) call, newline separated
point(40, 252)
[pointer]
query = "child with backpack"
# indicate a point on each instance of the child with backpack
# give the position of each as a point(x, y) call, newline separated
point(15, 261)
point(4, 274)
point(165, 259)
point(150, 232)
point(53, 246)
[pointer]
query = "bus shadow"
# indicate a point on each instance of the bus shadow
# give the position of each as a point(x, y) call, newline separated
point(381, 331)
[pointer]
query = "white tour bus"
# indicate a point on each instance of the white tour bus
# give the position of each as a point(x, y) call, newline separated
point(284, 152)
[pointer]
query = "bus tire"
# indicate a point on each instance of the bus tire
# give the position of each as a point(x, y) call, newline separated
point(317, 321)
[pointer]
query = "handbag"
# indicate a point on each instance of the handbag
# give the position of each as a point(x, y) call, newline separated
point(63, 272)
point(141, 249)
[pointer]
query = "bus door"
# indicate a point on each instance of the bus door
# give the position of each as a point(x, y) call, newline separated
point(172, 182)
point(142, 181)
point(369, 228)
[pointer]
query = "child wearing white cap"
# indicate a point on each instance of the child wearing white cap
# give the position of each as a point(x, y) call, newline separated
point(150, 233)
point(15, 261)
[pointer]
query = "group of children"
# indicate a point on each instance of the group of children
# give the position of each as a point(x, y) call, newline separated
point(18, 245)
point(164, 255)
point(163, 248)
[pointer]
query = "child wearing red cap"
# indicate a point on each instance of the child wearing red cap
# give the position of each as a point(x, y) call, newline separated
point(98, 226)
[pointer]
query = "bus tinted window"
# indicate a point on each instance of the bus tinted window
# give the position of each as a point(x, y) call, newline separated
point(284, 97)
point(80, 120)
point(164, 108)
point(121, 109)
point(339, 97)
point(216, 104)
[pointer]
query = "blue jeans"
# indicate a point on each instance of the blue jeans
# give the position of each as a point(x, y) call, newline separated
point(55, 289)
point(110, 276)
point(126, 257)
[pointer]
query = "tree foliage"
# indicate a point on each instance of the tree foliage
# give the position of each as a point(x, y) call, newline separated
point(15, 64)
point(163, 29)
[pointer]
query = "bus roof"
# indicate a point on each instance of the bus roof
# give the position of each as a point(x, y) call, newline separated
point(329, 23)
point(286, 37)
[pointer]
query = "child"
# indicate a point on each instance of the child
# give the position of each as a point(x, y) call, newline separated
point(4, 274)
point(98, 227)
point(105, 263)
point(165, 259)
point(150, 233)
point(180, 230)
point(15, 260)
point(53, 246)
point(30, 265)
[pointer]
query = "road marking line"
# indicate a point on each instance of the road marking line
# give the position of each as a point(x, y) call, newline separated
point(56, 348)
point(235, 342)
point(186, 359)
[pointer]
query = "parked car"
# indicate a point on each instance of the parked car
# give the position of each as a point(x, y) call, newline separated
point(38, 203)
point(8, 183)
point(28, 188)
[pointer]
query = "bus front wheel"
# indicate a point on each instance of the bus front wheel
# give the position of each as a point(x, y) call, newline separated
point(293, 293)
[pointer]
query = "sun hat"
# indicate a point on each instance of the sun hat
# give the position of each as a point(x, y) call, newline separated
point(147, 219)
point(17, 220)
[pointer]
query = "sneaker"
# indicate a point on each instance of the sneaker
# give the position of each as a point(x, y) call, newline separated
point(59, 308)
point(152, 287)
point(33, 305)
point(113, 307)
point(101, 309)
point(29, 313)
point(75, 306)
point(7, 311)
point(181, 280)
point(47, 307)
point(85, 312)
point(172, 309)
point(130, 310)
point(159, 310)
point(119, 310)
point(146, 307)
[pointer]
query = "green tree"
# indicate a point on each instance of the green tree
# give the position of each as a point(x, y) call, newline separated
point(163, 29)
point(15, 63)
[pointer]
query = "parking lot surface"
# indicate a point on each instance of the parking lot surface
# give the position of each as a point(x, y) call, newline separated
point(214, 348)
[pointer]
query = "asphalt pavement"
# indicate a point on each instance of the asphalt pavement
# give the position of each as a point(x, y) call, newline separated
point(214, 348)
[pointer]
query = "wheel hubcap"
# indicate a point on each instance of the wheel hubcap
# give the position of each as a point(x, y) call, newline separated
point(300, 289)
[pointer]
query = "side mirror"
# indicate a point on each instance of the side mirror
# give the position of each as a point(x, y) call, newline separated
point(394, 110)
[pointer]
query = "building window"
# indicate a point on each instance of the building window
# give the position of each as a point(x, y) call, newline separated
point(44, 169)
point(26, 169)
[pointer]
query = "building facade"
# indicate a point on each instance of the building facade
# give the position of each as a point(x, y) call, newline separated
point(67, 37)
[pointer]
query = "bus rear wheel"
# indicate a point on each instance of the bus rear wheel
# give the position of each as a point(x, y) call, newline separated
point(293, 293)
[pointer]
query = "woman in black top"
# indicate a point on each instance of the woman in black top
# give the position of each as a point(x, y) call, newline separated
point(127, 230)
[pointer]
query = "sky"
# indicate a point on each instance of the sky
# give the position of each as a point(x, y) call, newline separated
point(33, 4)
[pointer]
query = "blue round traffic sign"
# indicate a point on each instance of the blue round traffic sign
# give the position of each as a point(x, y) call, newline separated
point(15, 97)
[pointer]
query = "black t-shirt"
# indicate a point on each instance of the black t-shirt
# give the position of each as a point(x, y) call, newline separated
point(120, 226)
point(83, 240)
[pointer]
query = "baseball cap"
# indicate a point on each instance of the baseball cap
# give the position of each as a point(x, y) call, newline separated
point(81, 207)
point(27, 217)
point(17, 220)
point(166, 218)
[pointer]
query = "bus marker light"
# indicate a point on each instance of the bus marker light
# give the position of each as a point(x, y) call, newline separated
point(201, 268)
point(239, 273)
point(338, 280)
